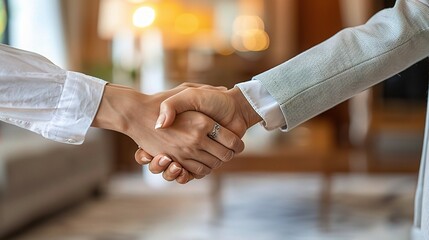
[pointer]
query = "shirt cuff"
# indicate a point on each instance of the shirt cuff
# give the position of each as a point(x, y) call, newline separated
point(263, 103)
point(77, 108)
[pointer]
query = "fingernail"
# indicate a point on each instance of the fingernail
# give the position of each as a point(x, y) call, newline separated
point(160, 121)
point(175, 169)
point(146, 160)
point(164, 161)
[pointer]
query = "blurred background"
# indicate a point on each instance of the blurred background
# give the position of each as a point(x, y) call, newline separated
point(349, 173)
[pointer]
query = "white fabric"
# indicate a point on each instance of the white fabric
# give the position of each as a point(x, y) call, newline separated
point(37, 95)
point(425, 2)
point(263, 103)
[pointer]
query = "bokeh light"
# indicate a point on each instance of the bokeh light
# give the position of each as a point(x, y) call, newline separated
point(144, 17)
point(248, 22)
point(186, 23)
point(249, 34)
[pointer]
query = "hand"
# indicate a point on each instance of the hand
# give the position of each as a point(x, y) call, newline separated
point(229, 108)
point(159, 164)
point(170, 170)
point(186, 141)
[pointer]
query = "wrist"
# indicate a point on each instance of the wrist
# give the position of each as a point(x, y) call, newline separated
point(115, 107)
point(248, 113)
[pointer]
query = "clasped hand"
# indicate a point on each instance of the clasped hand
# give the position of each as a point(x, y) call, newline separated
point(184, 122)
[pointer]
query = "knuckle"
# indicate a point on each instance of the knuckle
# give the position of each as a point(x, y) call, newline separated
point(206, 124)
point(202, 125)
point(188, 91)
point(200, 120)
point(189, 151)
point(237, 145)
point(228, 155)
point(234, 143)
point(217, 164)
point(201, 170)
point(194, 142)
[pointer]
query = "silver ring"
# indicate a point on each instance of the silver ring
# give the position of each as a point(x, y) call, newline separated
point(213, 134)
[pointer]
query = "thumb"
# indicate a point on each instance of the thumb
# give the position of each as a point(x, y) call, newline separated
point(167, 114)
point(169, 108)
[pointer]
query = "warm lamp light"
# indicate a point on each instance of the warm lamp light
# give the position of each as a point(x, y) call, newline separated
point(256, 40)
point(242, 23)
point(144, 17)
point(186, 23)
point(249, 34)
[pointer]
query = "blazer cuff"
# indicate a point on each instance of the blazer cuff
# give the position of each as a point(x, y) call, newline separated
point(263, 103)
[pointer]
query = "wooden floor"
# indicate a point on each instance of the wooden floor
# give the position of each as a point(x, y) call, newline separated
point(253, 206)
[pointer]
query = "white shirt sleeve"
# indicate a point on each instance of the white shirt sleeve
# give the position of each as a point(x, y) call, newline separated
point(264, 104)
point(37, 95)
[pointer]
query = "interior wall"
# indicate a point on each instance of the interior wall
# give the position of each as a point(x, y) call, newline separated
point(318, 20)
point(85, 49)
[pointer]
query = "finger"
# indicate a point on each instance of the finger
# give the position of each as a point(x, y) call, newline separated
point(219, 88)
point(172, 172)
point(184, 86)
point(191, 84)
point(191, 99)
point(217, 150)
point(197, 168)
point(199, 176)
point(159, 163)
point(194, 176)
point(191, 177)
point(226, 138)
point(207, 159)
point(169, 108)
point(184, 177)
point(142, 157)
point(201, 85)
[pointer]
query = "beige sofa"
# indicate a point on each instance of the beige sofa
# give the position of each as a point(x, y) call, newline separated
point(38, 177)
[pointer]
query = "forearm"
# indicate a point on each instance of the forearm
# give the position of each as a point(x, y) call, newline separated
point(111, 113)
point(37, 95)
point(121, 109)
point(350, 62)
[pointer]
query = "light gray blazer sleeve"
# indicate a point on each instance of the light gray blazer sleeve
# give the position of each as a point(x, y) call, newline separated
point(350, 62)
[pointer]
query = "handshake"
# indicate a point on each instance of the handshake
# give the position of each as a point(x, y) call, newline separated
point(185, 132)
